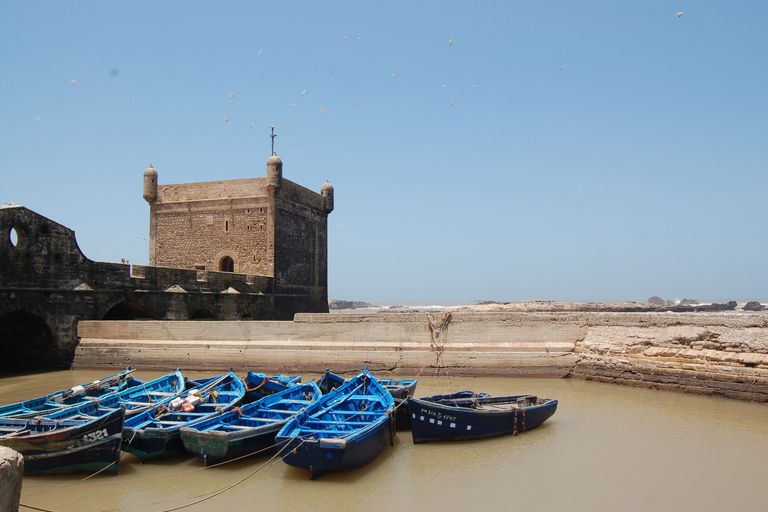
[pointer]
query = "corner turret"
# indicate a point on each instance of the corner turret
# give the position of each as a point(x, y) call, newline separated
point(150, 184)
point(274, 172)
point(327, 192)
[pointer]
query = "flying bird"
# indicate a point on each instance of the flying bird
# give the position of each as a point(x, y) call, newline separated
point(563, 67)
point(36, 118)
point(450, 43)
point(302, 92)
point(454, 102)
point(293, 104)
point(226, 118)
point(73, 81)
point(346, 37)
point(285, 133)
point(322, 110)
point(359, 38)
point(679, 14)
point(443, 86)
point(294, 124)
point(394, 75)
point(253, 123)
point(286, 124)
point(259, 53)
point(474, 86)
point(232, 95)
point(352, 104)
point(317, 158)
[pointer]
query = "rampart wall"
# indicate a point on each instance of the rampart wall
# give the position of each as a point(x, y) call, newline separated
point(722, 354)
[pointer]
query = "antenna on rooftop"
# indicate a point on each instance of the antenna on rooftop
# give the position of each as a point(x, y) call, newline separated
point(273, 139)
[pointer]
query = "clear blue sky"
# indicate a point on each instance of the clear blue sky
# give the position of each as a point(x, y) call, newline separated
point(596, 151)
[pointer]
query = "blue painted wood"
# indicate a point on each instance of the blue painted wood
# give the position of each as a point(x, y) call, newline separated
point(258, 385)
point(345, 429)
point(79, 438)
point(465, 415)
point(74, 396)
point(248, 430)
point(140, 398)
point(155, 432)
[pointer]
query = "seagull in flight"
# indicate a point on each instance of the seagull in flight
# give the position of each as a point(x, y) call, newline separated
point(679, 14)
point(259, 53)
point(253, 123)
point(450, 43)
point(394, 75)
point(322, 110)
point(454, 102)
point(232, 95)
point(563, 67)
point(73, 81)
point(302, 92)
point(226, 118)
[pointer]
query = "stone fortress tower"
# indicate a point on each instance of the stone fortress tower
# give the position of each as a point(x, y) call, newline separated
point(259, 226)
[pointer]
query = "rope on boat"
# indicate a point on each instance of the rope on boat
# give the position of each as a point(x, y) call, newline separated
point(270, 462)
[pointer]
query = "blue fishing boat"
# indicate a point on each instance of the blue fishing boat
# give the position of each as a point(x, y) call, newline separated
point(147, 395)
point(330, 381)
point(86, 437)
point(76, 395)
point(258, 385)
point(156, 432)
point(400, 391)
point(465, 415)
point(247, 430)
point(345, 429)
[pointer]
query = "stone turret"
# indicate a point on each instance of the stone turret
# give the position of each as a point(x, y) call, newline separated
point(327, 192)
point(150, 184)
point(274, 172)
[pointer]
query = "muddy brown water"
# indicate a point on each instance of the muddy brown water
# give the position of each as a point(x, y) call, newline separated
point(608, 448)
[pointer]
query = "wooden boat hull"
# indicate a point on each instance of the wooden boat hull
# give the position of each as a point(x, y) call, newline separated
point(156, 433)
point(249, 431)
point(148, 395)
point(90, 446)
point(320, 456)
point(259, 385)
point(435, 421)
point(345, 429)
point(72, 397)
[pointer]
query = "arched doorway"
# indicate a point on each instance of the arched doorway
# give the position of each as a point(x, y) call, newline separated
point(128, 311)
point(27, 343)
point(202, 314)
point(227, 264)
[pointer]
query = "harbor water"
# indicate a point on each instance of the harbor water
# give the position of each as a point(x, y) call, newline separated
point(607, 448)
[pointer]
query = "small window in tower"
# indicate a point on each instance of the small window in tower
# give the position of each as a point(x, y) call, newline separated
point(226, 225)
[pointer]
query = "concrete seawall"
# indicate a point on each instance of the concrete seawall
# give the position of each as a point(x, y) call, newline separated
point(724, 354)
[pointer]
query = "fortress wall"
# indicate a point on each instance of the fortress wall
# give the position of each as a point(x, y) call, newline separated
point(724, 354)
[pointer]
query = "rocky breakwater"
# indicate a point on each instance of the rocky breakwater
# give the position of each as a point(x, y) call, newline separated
point(721, 354)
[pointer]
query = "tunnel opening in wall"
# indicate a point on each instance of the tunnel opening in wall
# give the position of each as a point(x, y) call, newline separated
point(27, 343)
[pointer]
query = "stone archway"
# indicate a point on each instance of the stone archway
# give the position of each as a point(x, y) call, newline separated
point(226, 264)
point(27, 343)
point(128, 311)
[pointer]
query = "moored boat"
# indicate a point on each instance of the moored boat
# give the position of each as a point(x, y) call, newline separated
point(73, 396)
point(79, 438)
point(259, 385)
point(156, 432)
point(147, 395)
point(465, 415)
point(345, 429)
point(400, 391)
point(248, 430)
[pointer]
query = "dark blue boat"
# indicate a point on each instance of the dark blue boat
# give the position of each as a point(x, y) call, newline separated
point(138, 399)
point(330, 381)
point(345, 429)
point(156, 432)
point(248, 430)
point(465, 415)
point(258, 385)
point(79, 438)
point(76, 395)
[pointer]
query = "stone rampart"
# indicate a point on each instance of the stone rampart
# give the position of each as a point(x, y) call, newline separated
point(723, 354)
